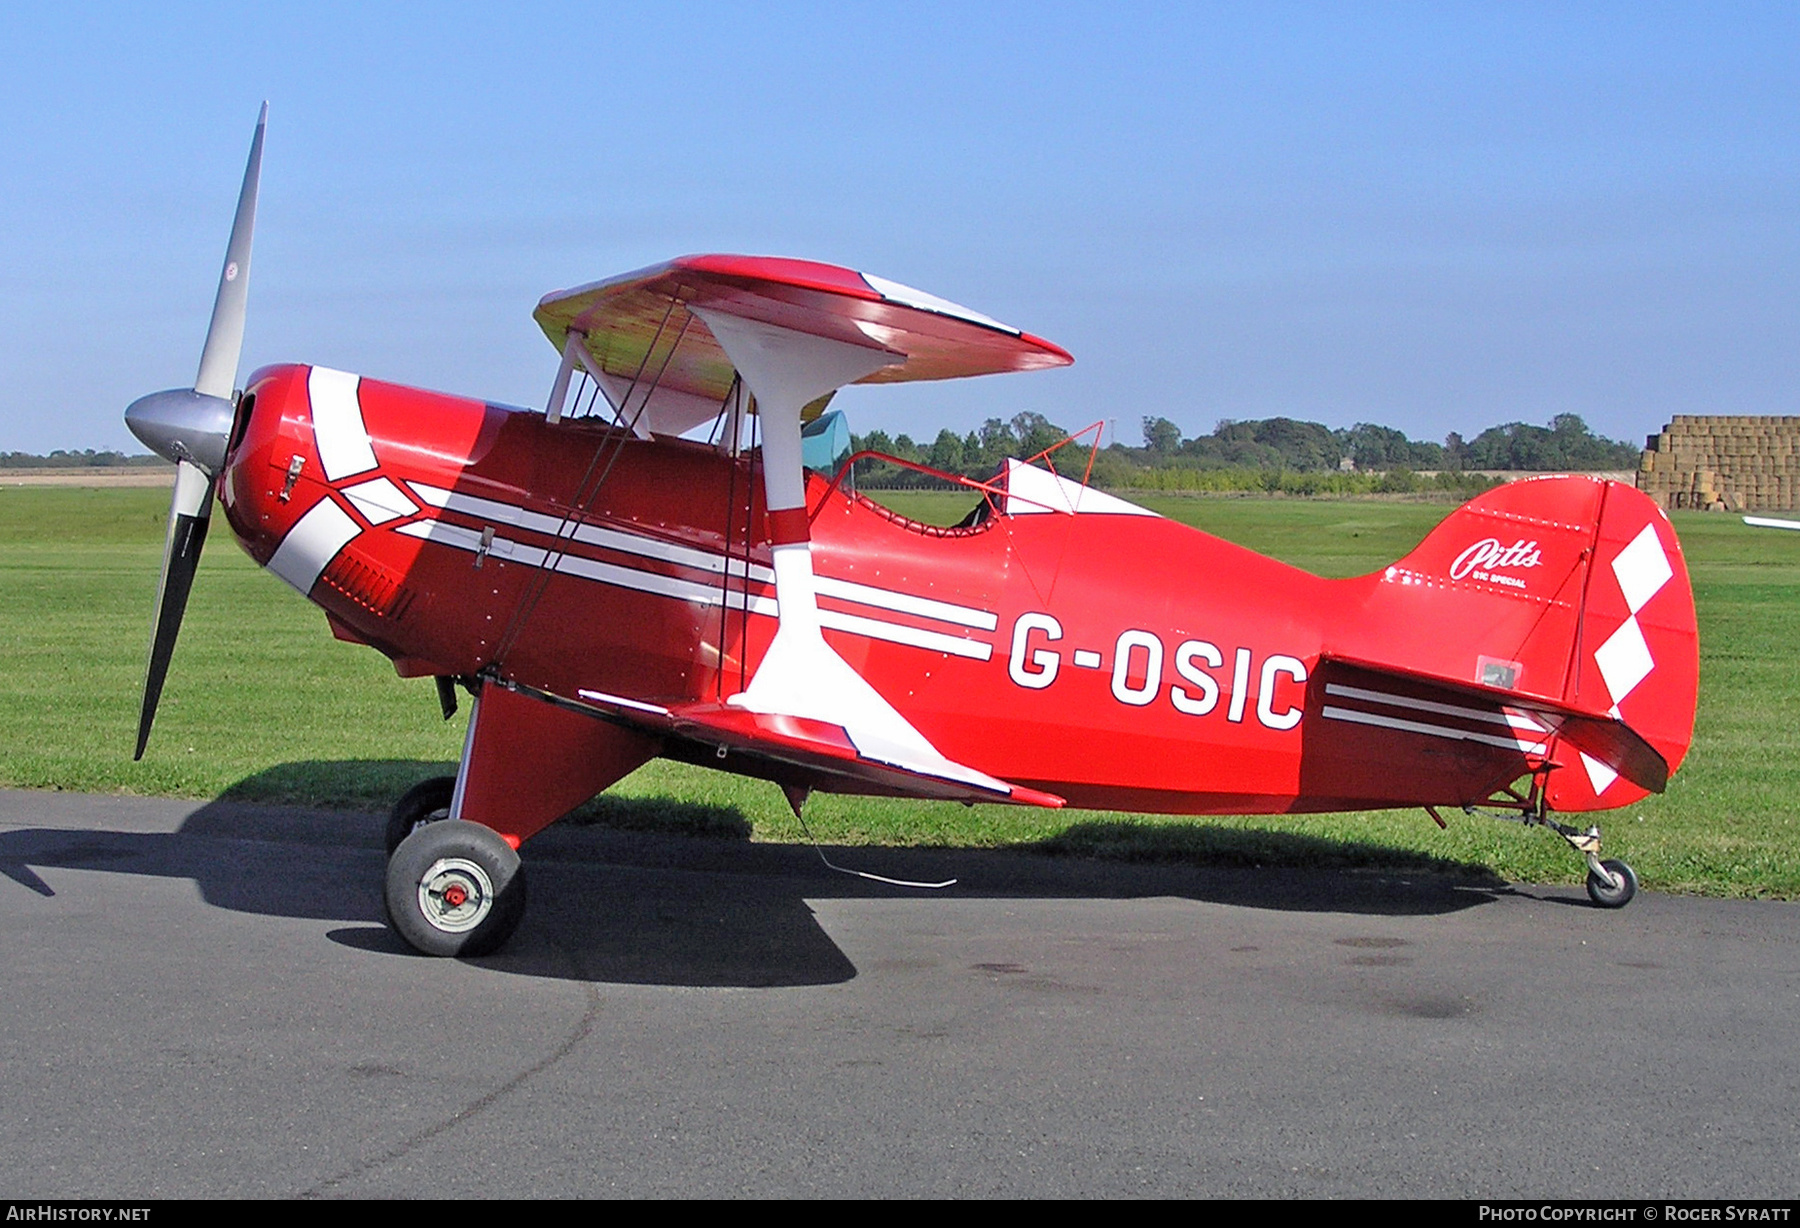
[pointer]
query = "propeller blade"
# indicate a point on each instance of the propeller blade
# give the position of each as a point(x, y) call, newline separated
point(191, 429)
point(225, 335)
point(190, 510)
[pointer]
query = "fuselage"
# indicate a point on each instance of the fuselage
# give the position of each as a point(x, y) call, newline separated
point(1116, 659)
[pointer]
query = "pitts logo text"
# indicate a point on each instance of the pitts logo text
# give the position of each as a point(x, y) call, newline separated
point(1489, 555)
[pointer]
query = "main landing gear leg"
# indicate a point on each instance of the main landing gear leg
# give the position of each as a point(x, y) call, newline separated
point(455, 886)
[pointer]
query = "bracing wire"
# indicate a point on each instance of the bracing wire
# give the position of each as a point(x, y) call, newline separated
point(584, 493)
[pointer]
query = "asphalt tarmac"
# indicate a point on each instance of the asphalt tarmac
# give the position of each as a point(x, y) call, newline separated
point(201, 1000)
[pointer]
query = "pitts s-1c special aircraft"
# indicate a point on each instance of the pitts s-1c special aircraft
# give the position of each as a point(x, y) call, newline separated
point(610, 592)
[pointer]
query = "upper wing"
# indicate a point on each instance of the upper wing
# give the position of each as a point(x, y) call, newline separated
point(637, 327)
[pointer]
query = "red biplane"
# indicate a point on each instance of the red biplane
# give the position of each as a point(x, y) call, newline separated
point(610, 591)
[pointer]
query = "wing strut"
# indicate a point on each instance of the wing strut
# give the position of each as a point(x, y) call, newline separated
point(559, 391)
point(801, 676)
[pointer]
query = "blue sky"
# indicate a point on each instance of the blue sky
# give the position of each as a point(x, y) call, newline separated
point(1436, 217)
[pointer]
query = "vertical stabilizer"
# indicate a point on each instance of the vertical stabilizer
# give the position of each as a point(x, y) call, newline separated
point(1569, 590)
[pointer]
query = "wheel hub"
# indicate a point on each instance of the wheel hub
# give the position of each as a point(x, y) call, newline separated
point(455, 894)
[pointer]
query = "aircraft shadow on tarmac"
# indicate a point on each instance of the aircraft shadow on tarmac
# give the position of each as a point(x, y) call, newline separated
point(621, 901)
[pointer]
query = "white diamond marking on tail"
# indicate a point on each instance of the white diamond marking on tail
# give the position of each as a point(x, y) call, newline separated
point(1624, 660)
point(1642, 569)
point(1599, 774)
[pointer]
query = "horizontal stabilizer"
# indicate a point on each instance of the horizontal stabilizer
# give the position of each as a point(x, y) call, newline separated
point(1604, 740)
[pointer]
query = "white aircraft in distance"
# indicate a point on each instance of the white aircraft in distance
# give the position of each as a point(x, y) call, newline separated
point(1764, 522)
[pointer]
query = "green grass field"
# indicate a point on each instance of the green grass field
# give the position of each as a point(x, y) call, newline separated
point(263, 704)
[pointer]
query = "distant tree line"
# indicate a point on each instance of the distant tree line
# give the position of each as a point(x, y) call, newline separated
point(978, 454)
point(1267, 453)
point(86, 458)
point(1566, 444)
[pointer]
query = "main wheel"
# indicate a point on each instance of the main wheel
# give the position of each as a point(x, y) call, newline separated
point(455, 888)
point(1617, 893)
point(426, 802)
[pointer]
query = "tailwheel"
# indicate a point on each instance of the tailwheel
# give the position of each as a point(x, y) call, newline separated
point(1612, 884)
point(426, 802)
point(455, 888)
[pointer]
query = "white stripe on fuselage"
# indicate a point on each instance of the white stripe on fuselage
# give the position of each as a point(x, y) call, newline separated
point(1426, 705)
point(312, 543)
point(379, 501)
point(462, 538)
point(905, 603)
point(593, 535)
point(1430, 730)
point(700, 560)
point(337, 419)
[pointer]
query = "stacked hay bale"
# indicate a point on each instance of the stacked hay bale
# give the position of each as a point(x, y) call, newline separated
point(1724, 463)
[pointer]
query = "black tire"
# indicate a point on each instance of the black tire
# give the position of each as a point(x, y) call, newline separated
point(1615, 894)
point(426, 802)
point(455, 888)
